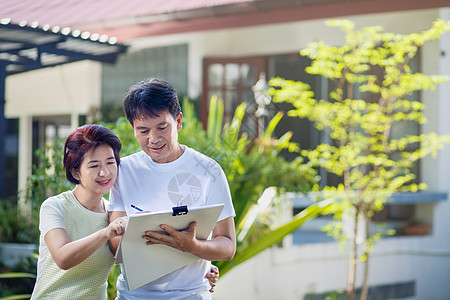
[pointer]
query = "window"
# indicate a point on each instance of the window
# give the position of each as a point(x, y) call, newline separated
point(169, 63)
point(292, 67)
point(231, 80)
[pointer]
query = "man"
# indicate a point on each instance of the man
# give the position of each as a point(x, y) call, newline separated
point(164, 175)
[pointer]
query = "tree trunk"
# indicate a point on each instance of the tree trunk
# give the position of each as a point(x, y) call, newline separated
point(350, 290)
point(365, 287)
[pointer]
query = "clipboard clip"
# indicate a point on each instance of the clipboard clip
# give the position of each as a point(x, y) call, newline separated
point(179, 210)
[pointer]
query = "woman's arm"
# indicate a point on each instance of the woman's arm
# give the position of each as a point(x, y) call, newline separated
point(67, 253)
point(212, 276)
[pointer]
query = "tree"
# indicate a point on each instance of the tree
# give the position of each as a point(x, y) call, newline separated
point(370, 160)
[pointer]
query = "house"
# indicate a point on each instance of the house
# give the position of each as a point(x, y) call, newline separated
point(222, 47)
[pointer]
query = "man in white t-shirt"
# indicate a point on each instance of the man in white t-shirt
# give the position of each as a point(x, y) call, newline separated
point(163, 175)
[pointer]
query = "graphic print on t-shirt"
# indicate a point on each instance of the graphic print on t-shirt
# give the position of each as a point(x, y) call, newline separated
point(184, 189)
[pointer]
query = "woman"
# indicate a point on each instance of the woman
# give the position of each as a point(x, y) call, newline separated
point(74, 257)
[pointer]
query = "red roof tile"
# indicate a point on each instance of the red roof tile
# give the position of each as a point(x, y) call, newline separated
point(128, 19)
point(78, 12)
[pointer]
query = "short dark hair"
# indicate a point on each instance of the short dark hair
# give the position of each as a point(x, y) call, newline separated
point(83, 140)
point(150, 98)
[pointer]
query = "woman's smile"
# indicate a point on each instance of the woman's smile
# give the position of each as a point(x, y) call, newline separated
point(104, 182)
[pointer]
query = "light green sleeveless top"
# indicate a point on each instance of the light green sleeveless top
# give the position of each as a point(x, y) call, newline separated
point(86, 280)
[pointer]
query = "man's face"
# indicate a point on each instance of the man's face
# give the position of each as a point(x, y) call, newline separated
point(158, 137)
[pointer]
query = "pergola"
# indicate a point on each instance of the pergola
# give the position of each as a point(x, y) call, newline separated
point(25, 47)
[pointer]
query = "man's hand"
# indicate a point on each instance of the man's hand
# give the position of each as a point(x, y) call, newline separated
point(222, 246)
point(184, 240)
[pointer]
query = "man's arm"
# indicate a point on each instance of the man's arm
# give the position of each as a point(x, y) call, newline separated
point(114, 242)
point(221, 247)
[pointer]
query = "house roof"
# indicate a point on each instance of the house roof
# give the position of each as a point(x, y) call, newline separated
point(129, 19)
point(25, 47)
point(79, 12)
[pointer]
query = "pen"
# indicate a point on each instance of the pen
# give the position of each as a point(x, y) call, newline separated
point(136, 208)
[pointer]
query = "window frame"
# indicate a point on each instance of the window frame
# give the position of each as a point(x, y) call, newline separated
point(258, 62)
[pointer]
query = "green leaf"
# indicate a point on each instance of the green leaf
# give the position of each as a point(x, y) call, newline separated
point(16, 297)
point(272, 125)
point(212, 120)
point(17, 275)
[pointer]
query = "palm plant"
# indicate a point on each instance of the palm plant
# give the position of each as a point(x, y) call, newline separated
point(252, 167)
point(16, 275)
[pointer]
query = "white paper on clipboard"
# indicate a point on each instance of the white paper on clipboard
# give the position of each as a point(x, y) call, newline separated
point(143, 263)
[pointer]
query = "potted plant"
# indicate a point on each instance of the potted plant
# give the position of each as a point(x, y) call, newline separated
point(415, 227)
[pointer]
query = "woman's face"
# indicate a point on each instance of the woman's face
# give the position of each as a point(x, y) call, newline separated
point(98, 171)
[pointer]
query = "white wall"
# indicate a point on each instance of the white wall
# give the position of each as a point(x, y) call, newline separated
point(437, 267)
point(289, 273)
point(65, 89)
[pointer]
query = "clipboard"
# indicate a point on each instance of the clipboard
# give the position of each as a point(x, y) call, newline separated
point(144, 263)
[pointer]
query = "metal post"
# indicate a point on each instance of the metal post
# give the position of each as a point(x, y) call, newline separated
point(2, 129)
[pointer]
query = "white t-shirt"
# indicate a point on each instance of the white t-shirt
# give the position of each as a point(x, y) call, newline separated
point(86, 280)
point(194, 180)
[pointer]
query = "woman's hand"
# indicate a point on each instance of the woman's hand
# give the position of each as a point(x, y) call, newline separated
point(116, 228)
point(212, 276)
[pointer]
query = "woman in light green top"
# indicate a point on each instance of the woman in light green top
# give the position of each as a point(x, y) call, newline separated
point(74, 256)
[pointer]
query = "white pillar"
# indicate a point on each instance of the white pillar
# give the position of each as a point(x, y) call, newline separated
point(74, 117)
point(25, 155)
point(441, 221)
